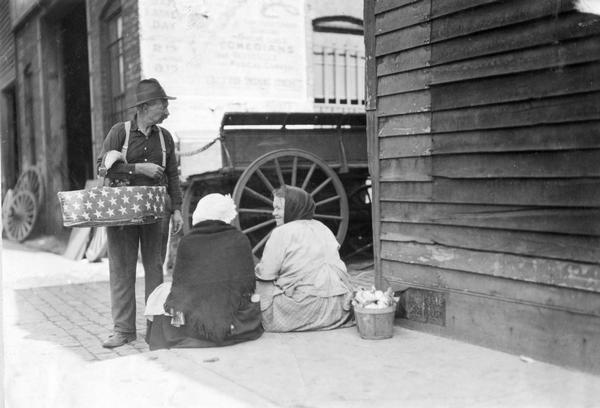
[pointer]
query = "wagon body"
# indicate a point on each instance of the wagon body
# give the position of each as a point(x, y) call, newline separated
point(324, 153)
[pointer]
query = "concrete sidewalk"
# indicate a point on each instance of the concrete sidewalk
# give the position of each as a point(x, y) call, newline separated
point(56, 313)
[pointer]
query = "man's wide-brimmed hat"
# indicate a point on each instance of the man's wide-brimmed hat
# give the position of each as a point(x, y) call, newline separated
point(148, 90)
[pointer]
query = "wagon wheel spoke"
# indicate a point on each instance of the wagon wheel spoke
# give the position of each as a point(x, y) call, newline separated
point(294, 171)
point(308, 176)
point(261, 243)
point(258, 226)
point(255, 211)
point(320, 187)
point(279, 173)
point(329, 217)
point(327, 200)
point(265, 180)
point(257, 195)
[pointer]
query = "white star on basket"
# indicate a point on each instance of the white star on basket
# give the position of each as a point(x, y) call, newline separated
point(113, 201)
point(123, 210)
point(100, 203)
point(92, 194)
point(104, 192)
point(125, 199)
point(139, 196)
point(88, 205)
point(110, 212)
point(135, 208)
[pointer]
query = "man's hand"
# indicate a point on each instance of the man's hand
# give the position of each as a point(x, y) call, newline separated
point(177, 222)
point(151, 170)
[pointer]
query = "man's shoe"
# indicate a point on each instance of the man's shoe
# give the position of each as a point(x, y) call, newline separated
point(117, 339)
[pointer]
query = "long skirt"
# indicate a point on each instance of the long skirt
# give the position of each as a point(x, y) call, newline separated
point(307, 313)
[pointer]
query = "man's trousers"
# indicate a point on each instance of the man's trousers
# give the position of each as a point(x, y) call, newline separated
point(123, 245)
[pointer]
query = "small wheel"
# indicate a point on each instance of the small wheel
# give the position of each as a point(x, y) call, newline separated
point(253, 193)
point(31, 180)
point(20, 216)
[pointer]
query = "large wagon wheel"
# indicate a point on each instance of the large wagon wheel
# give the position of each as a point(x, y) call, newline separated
point(20, 216)
point(31, 180)
point(254, 200)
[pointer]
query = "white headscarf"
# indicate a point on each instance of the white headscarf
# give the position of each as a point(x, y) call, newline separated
point(214, 207)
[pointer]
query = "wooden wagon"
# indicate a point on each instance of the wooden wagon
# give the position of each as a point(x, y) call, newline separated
point(323, 153)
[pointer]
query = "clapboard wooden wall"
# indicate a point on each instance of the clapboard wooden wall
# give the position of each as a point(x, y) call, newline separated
point(484, 136)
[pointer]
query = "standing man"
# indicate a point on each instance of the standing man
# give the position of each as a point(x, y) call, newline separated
point(145, 162)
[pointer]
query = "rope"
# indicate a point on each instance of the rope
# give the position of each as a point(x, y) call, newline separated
point(199, 150)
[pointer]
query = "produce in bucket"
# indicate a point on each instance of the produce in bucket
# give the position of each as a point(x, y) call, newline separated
point(374, 299)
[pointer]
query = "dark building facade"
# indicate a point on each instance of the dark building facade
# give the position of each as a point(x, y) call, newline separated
point(483, 122)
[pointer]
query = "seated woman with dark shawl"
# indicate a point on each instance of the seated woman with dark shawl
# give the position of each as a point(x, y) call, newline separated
point(210, 302)
point(303, 283)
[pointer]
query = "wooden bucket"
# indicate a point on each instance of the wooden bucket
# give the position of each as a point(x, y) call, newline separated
point(375, 324)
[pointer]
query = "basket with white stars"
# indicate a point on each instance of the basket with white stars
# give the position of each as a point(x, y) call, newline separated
point(113, 206)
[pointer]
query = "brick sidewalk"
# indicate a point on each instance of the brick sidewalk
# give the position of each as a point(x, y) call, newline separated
point(77, 317)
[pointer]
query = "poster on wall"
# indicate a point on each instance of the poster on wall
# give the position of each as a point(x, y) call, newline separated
point(218, 56)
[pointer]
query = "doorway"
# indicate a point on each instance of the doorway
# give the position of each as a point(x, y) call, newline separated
point(77, 97)
point(11, 149)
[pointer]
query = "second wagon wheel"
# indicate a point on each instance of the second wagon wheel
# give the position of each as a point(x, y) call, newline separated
point(20, 216)
point(31, 180)
point(253, 193)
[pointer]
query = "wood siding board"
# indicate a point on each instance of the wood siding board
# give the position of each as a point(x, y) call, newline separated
point(406, 191)
point(561, 136)
point(417, 123)
point(410, 14)
point(563, 164)
point(498, 14)
point(544, 57)
point(382, 6)
point(441, 8)
point(411, 37)
point(405, 146)
point(404, 61)
point(558, 337)
point(404, 82)
point(573, 275)
point(529, 192)
point(402, 275)
point(408, 169)
point(506, 39)
point(577, 192)
point(574, 79)
point(410, 102)
point(551, 246)
point(576, 221)
point(582, 107)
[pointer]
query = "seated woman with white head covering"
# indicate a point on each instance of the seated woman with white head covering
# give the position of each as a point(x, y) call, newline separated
point(210, 300)
point(303, 283)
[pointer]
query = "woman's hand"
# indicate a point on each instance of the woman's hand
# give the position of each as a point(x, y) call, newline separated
point(177, 222)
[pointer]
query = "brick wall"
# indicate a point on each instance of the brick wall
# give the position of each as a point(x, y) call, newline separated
point(7, 46)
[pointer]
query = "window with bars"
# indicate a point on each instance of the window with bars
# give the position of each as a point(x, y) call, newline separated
point(113, 46)
point(339, 61)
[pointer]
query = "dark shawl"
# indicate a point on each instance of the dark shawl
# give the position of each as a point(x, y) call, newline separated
point(214, 269)
point(299, 205)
